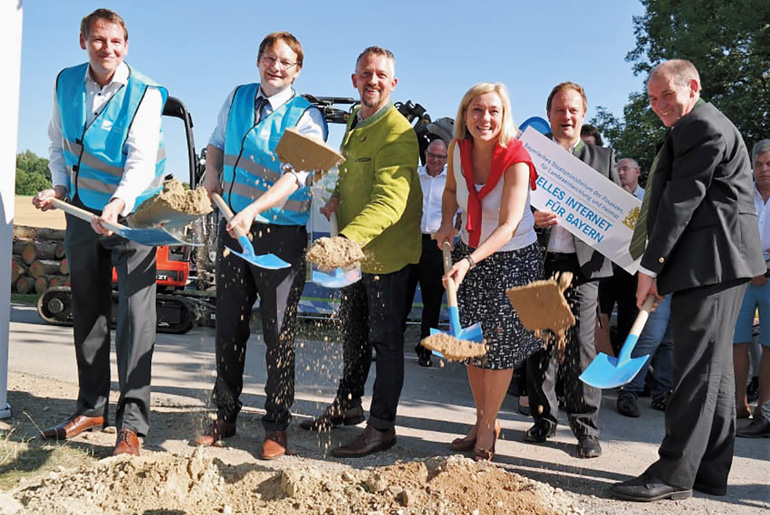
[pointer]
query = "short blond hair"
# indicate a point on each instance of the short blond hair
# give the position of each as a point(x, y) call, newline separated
point(507, 131)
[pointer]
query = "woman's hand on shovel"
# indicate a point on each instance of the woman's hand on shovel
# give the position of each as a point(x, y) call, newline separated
point(457, 272)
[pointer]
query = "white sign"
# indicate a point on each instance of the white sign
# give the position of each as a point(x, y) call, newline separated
point(587, 204)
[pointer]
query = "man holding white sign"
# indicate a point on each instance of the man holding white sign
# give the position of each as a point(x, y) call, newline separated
point(566, 108)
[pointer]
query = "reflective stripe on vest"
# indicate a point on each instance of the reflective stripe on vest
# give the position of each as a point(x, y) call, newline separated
point(94, 154)
point(250, 165)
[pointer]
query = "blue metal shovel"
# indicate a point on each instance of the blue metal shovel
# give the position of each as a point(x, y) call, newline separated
point(268, 261)
point(471, 333)
point(151, 237)
point(608, 372)
point(339, 277)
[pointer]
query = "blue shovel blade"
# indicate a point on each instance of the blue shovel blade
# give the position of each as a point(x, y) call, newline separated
point(605, 372)
point(339, 278)
point(153, 237)
point(268, 261)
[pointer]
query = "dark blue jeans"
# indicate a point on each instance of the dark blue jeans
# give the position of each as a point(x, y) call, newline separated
point(373, 317)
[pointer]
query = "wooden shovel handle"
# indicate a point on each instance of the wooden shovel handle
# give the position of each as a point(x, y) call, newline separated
point(451, 289)
point(334, 228)
point(227, 213)
point(641, 318)
point(83, 214)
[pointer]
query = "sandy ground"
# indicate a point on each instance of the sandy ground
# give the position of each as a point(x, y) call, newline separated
point(435, 408)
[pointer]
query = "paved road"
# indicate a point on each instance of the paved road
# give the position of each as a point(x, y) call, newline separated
point(436, 406)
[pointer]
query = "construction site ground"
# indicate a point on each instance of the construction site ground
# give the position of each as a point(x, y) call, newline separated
point(436, 407)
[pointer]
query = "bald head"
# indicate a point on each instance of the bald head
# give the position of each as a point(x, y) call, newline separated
point(629, 171)
point(435, 157)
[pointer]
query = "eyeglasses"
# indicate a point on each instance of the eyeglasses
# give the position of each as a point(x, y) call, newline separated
point(271, 60)
point(431, 155)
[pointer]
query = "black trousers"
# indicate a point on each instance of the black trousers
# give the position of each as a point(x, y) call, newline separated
point(700, 417)
point(373, 316)
point(91, 258)
point(427, 273)
point(238, 285)
point(581, 402)
point(619, 289)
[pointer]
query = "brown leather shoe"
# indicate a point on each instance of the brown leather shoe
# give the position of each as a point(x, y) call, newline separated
point(216, 431)
point(333, 416)
point(274, 445)
point(370, 441)
point(73, 426)
point(128, 443)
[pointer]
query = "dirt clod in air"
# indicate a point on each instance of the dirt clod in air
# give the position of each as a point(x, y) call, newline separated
point(172, 207)
point(335, 252)
point(452, 348)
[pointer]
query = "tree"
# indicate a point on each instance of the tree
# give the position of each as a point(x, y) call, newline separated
point(728, 41)
point(32, 173)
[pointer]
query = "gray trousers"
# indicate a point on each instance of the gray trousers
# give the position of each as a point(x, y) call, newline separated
point(91, 258)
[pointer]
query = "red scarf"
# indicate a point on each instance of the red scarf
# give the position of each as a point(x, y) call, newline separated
point(502, 159)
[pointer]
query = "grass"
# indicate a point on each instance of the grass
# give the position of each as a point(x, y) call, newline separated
point(25, 298)
point(24, 455)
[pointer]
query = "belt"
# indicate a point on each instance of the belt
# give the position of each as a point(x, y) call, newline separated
point(427, 236)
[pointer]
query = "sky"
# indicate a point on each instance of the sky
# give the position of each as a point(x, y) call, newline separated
point(201, 49)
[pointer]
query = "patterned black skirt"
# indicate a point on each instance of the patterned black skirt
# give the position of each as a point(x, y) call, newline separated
point(481, 298)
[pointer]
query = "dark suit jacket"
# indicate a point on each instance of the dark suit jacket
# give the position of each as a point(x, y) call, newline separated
point(593, 264)
point(701, 223)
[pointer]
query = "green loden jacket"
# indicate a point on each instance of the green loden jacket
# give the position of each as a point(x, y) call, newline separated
point(379, 191)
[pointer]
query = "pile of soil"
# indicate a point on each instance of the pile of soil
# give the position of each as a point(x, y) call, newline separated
point(335, 252)
point(452, 348)
point(173, 207)
point(168, 483)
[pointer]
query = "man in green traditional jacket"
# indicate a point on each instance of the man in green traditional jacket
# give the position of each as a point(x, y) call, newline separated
point(379, 206)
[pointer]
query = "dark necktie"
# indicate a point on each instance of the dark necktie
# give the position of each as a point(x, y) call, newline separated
point(259, 104)
point(639, 239)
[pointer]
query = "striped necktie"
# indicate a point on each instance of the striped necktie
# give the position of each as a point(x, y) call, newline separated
point(639, 238)
point(259, 104)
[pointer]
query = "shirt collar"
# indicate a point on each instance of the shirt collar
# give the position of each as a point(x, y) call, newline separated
point(279, 98)
point(423, 170)
point(119, 77)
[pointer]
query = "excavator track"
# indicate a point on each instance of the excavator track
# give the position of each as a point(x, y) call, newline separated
point(177, 314)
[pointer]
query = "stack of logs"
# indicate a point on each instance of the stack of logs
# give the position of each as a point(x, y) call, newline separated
point(38, 260)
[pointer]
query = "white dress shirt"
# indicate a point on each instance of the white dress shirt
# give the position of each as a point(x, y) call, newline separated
point(141, 144)
point(311, 123)
point(432, 193)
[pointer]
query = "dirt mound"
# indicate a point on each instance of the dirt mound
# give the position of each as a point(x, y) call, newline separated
point(168, 483)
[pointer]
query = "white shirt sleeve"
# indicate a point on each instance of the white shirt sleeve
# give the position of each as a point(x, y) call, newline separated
point(141, 148)
point(56, 164)
point(217, 138)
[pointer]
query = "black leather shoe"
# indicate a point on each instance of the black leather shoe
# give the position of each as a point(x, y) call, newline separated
point(758, 428)
point(333, 416)
point(423, 356)
point(627, 405)
point(540, 432)
point(588, 447)
point(646, 488)
point(370, 441)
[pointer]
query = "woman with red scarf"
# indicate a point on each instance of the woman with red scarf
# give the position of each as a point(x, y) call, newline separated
point(489, 179)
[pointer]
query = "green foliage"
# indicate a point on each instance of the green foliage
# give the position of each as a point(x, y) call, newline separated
point(32, 173)
point(728, 41)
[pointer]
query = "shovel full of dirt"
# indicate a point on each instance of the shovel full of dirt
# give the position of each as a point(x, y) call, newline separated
point(304, 153)
point(173, 207)
point(151, 237)
point(267, 261)
point(459, 343)
point(541, 307)
point(335, 260)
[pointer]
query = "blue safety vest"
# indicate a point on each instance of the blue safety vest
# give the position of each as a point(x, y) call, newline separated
point(95, 153)
point(250, 164)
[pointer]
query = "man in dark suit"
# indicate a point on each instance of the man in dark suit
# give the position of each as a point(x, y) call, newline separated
point(703, 246)
point(566, 108)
